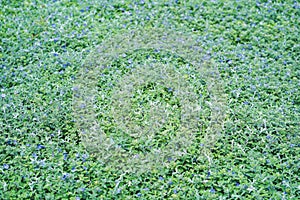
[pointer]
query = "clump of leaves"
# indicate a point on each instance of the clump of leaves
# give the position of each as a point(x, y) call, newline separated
point(140, 112)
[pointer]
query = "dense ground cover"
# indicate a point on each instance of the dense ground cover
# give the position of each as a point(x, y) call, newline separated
point(253, 44)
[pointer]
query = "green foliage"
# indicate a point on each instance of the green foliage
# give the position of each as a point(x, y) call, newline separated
point(254, 47)
point(142, 116)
